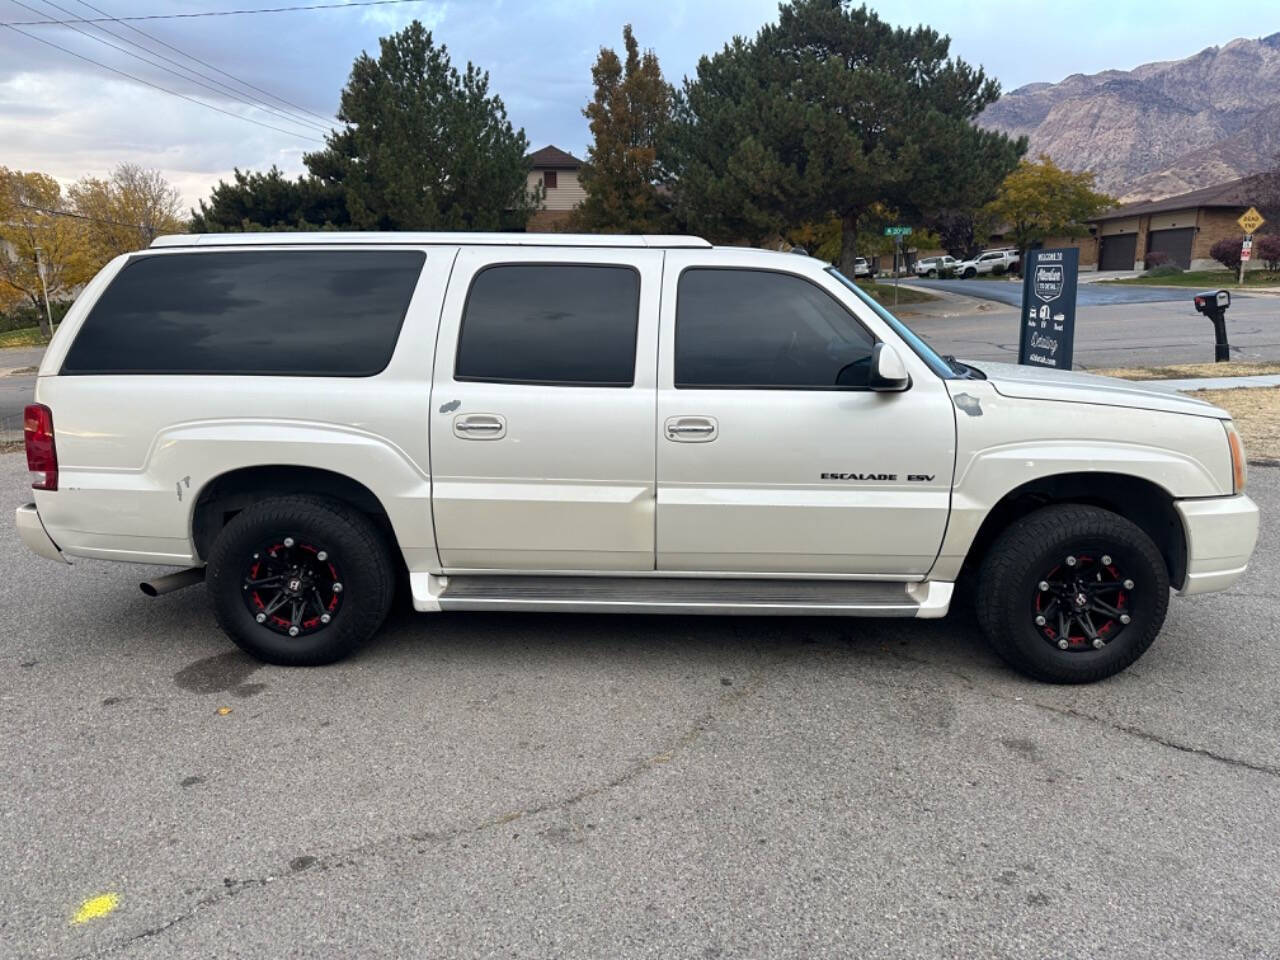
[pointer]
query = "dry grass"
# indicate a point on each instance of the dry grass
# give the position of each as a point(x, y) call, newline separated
point(1256, 411)
point(1179, 371)
point(26, 337)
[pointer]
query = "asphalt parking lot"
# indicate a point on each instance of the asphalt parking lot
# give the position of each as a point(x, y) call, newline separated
point(535, 786)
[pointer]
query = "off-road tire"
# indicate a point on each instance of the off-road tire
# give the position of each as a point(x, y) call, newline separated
point(360, 550)
point(1014, 564)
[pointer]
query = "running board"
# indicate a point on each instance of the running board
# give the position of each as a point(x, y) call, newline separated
point(847, 598)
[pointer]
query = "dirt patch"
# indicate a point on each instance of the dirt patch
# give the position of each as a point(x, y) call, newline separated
point(1256, 412)
point(1182, 371)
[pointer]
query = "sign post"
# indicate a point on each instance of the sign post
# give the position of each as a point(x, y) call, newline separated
point(1249, 222)
point(897, 233)
point(1049, 308)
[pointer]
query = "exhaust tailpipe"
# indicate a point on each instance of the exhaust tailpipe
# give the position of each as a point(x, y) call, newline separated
point(172, 581)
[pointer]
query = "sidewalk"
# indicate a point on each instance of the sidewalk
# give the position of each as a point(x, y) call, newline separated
point(1213, 383)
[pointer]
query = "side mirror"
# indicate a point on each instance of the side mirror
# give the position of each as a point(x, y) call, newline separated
point(888, 372)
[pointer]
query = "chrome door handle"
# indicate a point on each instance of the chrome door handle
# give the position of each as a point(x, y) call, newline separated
point(691, 429)
point(479, 426)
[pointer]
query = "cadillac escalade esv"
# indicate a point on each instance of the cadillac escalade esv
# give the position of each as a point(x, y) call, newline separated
point(588, 423)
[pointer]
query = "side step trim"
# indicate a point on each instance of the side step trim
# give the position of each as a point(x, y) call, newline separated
point(869, 598)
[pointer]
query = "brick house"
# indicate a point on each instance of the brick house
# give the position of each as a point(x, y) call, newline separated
point(557, 172)
point(1182, 227)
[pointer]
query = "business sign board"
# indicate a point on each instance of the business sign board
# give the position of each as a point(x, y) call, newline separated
point(1049, 308)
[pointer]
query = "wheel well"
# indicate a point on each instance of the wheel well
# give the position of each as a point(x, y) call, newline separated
point(1140, 501)
point(225, 496)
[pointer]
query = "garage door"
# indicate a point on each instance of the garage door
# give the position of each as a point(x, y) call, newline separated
point(1118, 253)
point(1175, 243)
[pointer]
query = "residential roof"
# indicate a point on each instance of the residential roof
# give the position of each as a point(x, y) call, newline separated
point(1233, 193)
point(552, 157)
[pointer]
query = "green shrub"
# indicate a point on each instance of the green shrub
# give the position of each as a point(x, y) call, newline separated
point(25, 315)
point(1164, 270)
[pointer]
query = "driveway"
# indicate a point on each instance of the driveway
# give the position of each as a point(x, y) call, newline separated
point(1087, 294)
point(588, 786)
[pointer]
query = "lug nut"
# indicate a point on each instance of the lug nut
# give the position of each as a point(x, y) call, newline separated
point(325, 618)
point(1125, 618)
point(1106, 559)
point(1128, 584)
point(1071, 561)
point(1098, 643)
point(288, 541)
point(261, 618)
point(337, 588)
point(322, 555)
point(1063, 644)
point(293, 631)
point(1040, 621)
point(1044, 585)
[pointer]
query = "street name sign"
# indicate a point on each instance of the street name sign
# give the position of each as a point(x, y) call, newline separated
point(1049, 308)
point(897, 231)
point(1251, 220)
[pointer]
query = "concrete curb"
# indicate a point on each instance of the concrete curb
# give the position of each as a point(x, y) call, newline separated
point(1213, 383)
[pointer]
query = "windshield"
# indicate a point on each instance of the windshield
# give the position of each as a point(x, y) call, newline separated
point(909, 336)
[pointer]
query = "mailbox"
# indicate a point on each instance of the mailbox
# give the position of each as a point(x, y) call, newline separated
point(1213, 304)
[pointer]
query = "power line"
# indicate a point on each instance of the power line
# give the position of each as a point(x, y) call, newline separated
point(236, 95)
point(78, 216)
point(213, 13)
point(328, 121)
point(156, 86)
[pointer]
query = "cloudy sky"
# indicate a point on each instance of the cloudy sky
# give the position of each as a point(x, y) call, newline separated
point(69, 117)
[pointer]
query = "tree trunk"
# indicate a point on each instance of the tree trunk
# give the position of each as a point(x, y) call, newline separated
point(849, 243)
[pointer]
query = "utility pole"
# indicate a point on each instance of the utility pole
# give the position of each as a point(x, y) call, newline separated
point(48, 312)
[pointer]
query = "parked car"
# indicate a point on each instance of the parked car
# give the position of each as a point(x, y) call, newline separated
point(934, 266)
point(603, 424)
point(994, 262)
point(861, 268)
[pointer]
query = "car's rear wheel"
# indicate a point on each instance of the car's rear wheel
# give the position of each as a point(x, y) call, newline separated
point(1072, 594)
point(301, 580)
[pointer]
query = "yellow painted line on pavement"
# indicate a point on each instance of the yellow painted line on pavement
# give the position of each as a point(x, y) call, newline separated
point(95, 907)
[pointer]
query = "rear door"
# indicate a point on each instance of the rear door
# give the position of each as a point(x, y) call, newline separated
point(774, 457)
point(542, 412)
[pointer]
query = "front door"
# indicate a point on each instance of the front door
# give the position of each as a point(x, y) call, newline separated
point(542, 410)
point(774, 457)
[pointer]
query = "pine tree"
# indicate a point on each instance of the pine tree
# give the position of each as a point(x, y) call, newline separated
point(629, 115)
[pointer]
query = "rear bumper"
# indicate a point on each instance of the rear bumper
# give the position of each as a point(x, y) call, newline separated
point(1221, 533)
point(31, 530)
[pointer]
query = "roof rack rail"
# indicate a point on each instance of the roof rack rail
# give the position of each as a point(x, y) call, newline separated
point(328, 237)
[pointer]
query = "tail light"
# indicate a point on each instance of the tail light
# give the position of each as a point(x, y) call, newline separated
point(42, 455)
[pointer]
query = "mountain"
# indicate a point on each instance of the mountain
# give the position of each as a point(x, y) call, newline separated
point(1161, 128)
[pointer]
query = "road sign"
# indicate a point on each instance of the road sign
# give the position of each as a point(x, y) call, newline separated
point(897, 231)
point(1049, 308)
point(1246, 249)
point(1251, 220)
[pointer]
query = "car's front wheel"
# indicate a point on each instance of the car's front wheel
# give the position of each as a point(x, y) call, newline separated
point(933, 274)
point(969, 274)
point(300, 580)
point(1072, 594)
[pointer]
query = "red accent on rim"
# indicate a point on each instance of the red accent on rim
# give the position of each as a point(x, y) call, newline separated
point(42, 454)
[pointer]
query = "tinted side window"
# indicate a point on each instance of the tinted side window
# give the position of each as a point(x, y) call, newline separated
point(307, 312)
point(752, 328)
point(551, 323)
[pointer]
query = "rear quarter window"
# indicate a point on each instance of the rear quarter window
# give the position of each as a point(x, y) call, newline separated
point(284, 312)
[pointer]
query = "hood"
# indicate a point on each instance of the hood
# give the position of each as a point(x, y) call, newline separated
point(1043, 383)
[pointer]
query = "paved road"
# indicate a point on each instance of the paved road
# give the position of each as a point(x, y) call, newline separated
point(1120, 335)
point(1087, 294)
point(534, 786)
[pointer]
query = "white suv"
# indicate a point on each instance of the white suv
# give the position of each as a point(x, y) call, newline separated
point(605, 424)
point(935, 266)
point(994, 262)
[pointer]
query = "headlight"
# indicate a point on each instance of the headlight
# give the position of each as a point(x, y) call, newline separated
point(1239, 465)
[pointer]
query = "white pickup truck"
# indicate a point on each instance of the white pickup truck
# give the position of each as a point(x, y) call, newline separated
point(993, 262)
point(620, 424)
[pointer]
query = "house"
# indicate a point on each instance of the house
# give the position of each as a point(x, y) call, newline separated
point(557, 173)
point(1183, 227)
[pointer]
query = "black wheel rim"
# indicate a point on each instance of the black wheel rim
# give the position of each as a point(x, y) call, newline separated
point(1083, 602)
point(292, 586)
